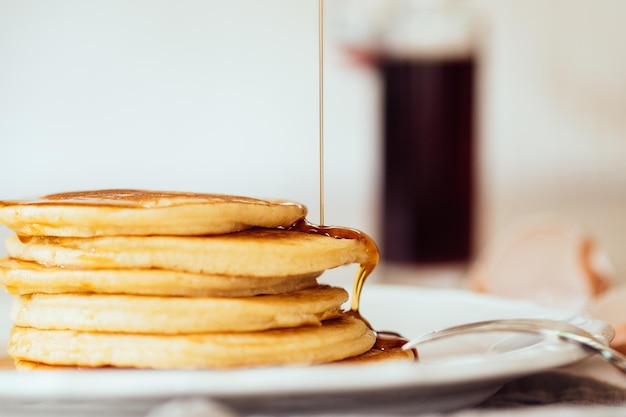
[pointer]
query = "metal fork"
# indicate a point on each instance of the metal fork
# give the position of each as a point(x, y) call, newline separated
point(551, 328)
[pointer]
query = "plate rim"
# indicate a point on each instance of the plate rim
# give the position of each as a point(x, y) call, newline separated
point(288, 380)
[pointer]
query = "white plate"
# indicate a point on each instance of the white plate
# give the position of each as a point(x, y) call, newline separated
point(451, 373)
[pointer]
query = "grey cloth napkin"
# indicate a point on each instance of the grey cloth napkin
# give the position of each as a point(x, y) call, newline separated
point(536, 395)
point(556, 388)
point(551, 394)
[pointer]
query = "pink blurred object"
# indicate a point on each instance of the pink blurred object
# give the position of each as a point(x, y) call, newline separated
point(547, 259)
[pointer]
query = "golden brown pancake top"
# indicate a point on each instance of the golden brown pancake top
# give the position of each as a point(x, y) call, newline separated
point(139, 198)
point(145, 212)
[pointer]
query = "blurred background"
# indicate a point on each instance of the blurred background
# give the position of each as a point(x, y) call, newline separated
point(221, 96)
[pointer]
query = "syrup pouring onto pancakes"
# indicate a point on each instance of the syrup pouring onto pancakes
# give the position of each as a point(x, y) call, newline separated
point(65, 244)
point(385, 340)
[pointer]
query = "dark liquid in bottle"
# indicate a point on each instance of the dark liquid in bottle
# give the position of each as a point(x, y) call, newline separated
point(428, 191)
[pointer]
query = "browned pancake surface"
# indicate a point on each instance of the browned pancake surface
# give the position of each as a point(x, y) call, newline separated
point(144, 212)
point(140, 314)
point(253, 253)
point(20, 277)
point(336, 339)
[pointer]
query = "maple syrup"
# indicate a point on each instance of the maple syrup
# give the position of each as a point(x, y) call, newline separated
point(428, 62)
point(321, 104)
point(365, 268)
point(385, 340)
point(428, 193)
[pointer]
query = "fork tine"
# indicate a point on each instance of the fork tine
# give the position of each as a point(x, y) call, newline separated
point(552, 328)
point(536, 326)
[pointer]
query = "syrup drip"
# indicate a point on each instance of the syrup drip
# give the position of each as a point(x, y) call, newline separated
point(24, 238)
point(384, 340)
point(365, 268)
point(321, 103)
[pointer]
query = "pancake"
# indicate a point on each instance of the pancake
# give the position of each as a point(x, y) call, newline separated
point(177, 315)
point(143, 212)
point(254, 253)
point(149, 279)
point(336, 339)
point(373, 355)
point(20, 277)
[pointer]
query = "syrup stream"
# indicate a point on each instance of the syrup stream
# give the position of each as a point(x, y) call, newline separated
point(321, 104)
point(385, 340)
point(341, 233)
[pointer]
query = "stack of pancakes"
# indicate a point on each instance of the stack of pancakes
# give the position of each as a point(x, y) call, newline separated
point(133, 278)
